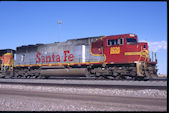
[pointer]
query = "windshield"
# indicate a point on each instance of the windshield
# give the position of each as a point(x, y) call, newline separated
point(131, 41)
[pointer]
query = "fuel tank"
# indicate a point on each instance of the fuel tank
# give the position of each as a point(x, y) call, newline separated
point(75, 72)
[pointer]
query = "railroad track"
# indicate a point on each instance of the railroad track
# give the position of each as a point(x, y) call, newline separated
point(93, 78)
point(84, 78)
point(89, 83)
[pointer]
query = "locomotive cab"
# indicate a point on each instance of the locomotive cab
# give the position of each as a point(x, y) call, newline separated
point(124, 52)
point(121, 49)
point(6, 62)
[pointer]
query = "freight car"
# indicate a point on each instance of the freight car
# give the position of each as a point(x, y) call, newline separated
point(115, 57)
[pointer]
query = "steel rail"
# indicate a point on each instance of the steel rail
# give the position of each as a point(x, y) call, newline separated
point(84, 78)
point(90, 83)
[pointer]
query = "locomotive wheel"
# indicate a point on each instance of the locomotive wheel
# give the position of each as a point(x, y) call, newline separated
point(2, 77)
point(23, 77)
point(6, 77)
point(117, 77)
point(137, 78)
point(99, 78)
point(44, 77)
point(19, 76)
point(88, 75)
point(38, 76)
point(28, 76)
point(110, 77)
point(146, 79)
point(122, 77)
point(33, 76)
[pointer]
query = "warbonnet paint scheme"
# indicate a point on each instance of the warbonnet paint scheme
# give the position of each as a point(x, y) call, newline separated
point(115, 57)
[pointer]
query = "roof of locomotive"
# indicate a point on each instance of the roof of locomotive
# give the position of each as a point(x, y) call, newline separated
point(95, 37)
point(3, 51)
point(78, 41)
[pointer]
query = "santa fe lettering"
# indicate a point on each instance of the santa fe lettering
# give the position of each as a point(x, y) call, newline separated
point(54, 58)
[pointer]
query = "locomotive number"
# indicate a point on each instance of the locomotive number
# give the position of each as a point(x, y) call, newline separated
point(115, 50)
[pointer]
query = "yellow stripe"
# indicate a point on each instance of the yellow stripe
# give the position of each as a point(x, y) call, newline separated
point(132, 53)
point(59, 64)
point(8, 54)
point(143, 53)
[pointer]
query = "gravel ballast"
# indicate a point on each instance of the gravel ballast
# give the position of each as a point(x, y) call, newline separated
point(153, 93)
point(13, 102)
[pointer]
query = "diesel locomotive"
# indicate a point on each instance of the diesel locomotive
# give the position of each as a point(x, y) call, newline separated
point(102, 57)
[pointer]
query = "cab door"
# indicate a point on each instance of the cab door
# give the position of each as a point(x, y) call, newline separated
point(132, 52)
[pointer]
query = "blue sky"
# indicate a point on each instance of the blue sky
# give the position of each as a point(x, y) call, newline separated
point(28, 22)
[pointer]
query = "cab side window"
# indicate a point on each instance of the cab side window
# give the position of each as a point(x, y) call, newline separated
point(114, 42)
